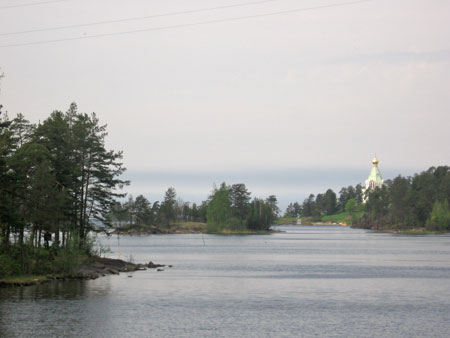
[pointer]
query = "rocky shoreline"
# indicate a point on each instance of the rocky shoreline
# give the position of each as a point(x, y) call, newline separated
point(99, 266)
point(94, 268)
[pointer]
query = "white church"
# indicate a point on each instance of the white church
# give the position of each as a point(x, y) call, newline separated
point(374, 180)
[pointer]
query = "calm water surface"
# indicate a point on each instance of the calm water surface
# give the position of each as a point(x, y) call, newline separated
point(305, 282)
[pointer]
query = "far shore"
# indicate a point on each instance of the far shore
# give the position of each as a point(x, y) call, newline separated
point(183, 228)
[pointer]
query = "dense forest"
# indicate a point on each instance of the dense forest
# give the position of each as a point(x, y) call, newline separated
point(315, 207)
point(230, 208)
point(140, 211)
point(57, 181)
point(405, 202)
point(402, 203)
point(227, 209)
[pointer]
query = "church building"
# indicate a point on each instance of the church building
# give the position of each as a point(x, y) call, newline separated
point(374, 180)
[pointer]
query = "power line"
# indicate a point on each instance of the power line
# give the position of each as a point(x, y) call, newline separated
point(32, 4)
point(137, 18)
point(341, 4)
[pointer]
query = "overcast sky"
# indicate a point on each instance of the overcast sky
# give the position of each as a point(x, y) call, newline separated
point(288, 103)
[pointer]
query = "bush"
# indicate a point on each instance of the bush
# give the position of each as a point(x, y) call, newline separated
point(8, 266)
point(439, 219)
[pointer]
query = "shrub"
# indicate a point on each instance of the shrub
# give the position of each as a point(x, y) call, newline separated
point(8, 266)
point(439, 219)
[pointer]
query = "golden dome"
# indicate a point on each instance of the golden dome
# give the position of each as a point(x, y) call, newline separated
point(375, 161)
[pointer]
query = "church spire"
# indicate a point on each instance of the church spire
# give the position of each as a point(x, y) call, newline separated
point(375, 179)
point(375, 161)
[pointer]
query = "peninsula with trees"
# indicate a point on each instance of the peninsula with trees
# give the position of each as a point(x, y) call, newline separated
point(415, 204)
point(59, 184)
point(229, 209)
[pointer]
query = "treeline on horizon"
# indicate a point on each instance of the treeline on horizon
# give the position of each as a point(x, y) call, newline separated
point(421, 200)
point(228, 208)
point(315, 207)
point(57, 181)
point(404, 202)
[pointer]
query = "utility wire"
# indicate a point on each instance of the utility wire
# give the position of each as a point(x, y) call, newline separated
point(136, 18)
point(32, 4)
point(341, 4)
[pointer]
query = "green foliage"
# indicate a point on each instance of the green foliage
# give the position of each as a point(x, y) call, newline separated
point(309, 206)
point(347, 193)
point(229, 210)
point(72, 256)
point(143, 210)
point(286, 220)
point(167, 209)
point(401, 203)
point(409, 202)
point(219, 212)
point(261, 215)
point(439, 219)
point(8, 266)
point(344, 217)
point(57, 181)
point(351, 206)
point(272, 202)
point(240, 198)
point(28, 260)
point(293, 210)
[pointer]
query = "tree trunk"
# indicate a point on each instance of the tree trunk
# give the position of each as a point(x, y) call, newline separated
point(21, 235)
point(57, 237)
point(6, 234)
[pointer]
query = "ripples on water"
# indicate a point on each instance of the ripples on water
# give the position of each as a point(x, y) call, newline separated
point(306, 282)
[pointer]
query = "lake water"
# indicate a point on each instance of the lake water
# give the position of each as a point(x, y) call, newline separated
point(305, 282)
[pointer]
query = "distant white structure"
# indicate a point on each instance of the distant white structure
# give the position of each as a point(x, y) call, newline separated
point(374, 180)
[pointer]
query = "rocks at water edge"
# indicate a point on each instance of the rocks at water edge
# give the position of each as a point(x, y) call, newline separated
point(105, 266)
point(152, 265)
point(93, 268)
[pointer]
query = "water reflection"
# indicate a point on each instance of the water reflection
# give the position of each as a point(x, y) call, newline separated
point(306, 282)
point(53, 309)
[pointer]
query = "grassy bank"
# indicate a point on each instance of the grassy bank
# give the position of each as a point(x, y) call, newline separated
point(339, 218)
point(23, 280)
point(286, 221)
point(188, 227)
point(412, 231)
point(343, 217)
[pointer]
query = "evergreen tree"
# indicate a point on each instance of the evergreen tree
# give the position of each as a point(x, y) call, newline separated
point(7, 207)
point(261, 215)
point(143, 211)
point(400, 201)
point(329, 202)
point(309, 206)
point(272, 202)
point(240, 198)
point(167, 210)
point(290, 211)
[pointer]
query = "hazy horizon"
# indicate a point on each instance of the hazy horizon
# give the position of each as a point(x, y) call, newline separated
point(288, 97)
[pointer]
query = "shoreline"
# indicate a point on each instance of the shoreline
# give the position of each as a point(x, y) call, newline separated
point(94, 268)
point(185, 228)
